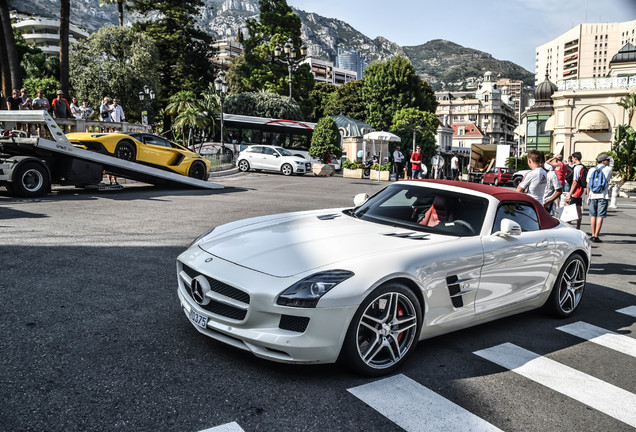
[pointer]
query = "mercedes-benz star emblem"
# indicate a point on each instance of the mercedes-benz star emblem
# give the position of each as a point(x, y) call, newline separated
point(199, 289)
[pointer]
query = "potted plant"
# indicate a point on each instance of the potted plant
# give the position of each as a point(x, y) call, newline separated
point(325, 143)
point(352, 169)
point(381, 172)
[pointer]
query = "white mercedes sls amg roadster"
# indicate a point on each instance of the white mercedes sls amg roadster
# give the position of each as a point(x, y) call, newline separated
point(363, 285)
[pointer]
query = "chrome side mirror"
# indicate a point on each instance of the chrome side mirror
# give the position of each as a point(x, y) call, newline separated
point(360, 199)
point(509, 228)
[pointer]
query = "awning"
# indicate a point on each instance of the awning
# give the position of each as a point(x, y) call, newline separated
point(594, 121)
point(550, 123)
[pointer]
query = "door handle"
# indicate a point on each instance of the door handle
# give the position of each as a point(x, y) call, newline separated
point(542, 243)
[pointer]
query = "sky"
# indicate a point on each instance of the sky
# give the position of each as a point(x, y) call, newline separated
point(507, 29)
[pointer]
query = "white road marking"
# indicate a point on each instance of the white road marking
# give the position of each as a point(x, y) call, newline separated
point(600, 336)
point(229, 427)
point(602, 396)
point(629, 310)
point(414, 407)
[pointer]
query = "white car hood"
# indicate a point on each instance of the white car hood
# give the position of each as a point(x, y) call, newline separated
point(288, 244)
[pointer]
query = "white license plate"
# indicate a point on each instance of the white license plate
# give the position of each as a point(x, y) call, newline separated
point(198, 319)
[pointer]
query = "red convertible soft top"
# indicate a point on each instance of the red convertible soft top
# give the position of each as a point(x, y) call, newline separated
point(546, 221)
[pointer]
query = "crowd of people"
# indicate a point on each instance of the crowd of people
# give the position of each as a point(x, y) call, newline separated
point(412, 166)
point(548, 180)
point(59, 107)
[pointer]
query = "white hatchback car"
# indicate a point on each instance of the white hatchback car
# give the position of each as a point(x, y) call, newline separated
point(272, 158)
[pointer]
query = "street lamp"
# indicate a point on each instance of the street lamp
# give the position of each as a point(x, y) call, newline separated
point(290, 59)
point(147, 95)
point(221, 87)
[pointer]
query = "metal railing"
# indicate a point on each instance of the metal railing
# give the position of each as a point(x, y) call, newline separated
point(78, 125)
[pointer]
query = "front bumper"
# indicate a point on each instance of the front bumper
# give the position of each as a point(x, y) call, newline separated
point(248, 318)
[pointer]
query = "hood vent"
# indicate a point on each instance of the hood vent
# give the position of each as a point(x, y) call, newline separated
point(328, 216)
point(454, 290)
point(409, 235)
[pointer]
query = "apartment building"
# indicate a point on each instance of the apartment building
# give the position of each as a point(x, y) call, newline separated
point(583, 52)
point(44, 33)
point(226, 50)
point(491, 109)
point(325, 71)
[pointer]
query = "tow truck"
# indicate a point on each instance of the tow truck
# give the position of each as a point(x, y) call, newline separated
point(29, 165)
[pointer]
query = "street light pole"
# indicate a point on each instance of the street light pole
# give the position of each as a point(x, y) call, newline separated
point(147, 95)
point(290, 60)
point(221, 87)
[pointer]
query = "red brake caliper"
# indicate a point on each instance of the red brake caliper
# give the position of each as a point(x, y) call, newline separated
point(400, 314)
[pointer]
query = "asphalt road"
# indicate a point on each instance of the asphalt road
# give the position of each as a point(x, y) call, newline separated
point(92, 336)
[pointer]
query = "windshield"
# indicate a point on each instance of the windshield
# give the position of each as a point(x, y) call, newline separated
point(424, 208)
point(283, 152)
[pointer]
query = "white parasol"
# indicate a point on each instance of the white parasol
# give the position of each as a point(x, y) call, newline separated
point(380, 136)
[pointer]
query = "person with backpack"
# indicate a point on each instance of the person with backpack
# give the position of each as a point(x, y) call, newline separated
point(598, 180)
point(579, 182)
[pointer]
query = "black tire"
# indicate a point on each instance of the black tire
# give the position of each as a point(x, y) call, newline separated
point(568, 288)
point(126, 150)
point(516, 181)
point(389, 319)
point(30, 179)
point(197, 170)
point(243, 165)
point(287, 169)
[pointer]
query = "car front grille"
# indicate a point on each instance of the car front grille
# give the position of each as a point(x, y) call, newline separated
point(218, 307)
point(307, 167)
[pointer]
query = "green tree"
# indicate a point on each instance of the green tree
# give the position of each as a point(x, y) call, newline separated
point(257, 69)
point(263, 104)
point(11, 77)
point(347, 100)
point(392, 85)
point(629, 103)
point(320, 95)
point(625, 149)
point(189, 122)
point(116, 62)
point(48, 85)
point(419, 126)
point(185, 52)
point(325, 140)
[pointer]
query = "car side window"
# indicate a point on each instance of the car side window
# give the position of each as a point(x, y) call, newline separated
point(522, 213)
point(255, 149)
point(149, 139)
point(268, 151)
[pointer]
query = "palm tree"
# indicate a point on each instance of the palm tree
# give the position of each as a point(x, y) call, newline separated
point(629, 103)
point(191, 119)
point(120, 8)
point(11, 76)
point(181, 101)
point(65, 15)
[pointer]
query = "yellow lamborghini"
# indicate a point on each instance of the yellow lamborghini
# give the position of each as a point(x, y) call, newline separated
point(147, 149)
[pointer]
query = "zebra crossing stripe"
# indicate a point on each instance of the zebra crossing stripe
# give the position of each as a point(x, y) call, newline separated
point(600, 336)
point(629, 310)
point(602, 396)
point(229, 427)
point(414, 407)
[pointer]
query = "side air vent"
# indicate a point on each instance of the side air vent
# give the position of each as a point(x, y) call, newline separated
point(410, 235)
point(454, 291)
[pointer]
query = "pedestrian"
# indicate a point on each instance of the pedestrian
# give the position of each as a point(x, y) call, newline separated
point(416, 163)
point(598, 180)
point(86, 112)
point(60, 106)
point(105, 110)
point(577, 189)
point(40, 102)
point(117, 113)
point(75, 110)
point(535, 181)
point(553, 190)
point(25, 100)
point(561, 169)
point(398, 159)
point(455, 167)
point(14, 101)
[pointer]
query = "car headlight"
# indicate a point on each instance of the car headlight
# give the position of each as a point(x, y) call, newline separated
point(307, 292)
point(195, 241)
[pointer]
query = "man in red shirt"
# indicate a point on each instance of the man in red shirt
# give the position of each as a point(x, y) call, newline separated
point(560, 169)
point(416, 163)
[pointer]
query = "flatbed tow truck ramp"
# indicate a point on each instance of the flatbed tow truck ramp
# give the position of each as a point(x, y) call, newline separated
point(30, 165)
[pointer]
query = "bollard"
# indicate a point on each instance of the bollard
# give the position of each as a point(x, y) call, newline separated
point(614, 196)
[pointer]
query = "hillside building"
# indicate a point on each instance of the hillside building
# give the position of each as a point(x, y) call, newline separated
point(226, 50)
point(349, 59)
point(583, 52)
point(326, 71)
point(44, 33)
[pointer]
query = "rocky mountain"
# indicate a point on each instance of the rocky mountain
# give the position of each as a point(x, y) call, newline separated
point(444, 63)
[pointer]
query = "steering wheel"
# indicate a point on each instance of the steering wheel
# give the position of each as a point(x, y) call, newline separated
point(464, 224)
